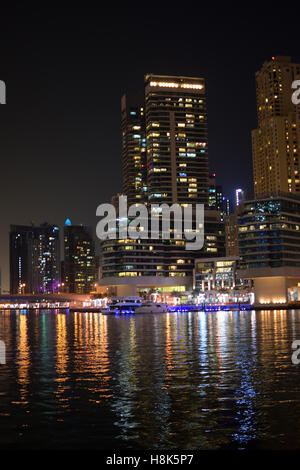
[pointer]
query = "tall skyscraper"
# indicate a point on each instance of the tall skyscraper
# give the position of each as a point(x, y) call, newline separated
point(216, 200)
point(276, 142)
point(212, 191)
point(134, 157)
point(20, 252)
point(173, 120)
point(226, 207)
point(232, 235)
point(34, 259)
point(240, 195)
point(46, 259)
point(79, 262)
point(269, 245)
point(177, 144)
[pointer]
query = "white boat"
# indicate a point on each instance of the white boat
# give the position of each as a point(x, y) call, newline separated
point(122, 305)
point(152, 307)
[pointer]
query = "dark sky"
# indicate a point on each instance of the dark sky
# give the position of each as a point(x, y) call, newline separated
point(65, 71)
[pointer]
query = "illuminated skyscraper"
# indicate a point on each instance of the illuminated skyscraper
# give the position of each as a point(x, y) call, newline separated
point(231, 235)
point(240, 195)
point(212, 192)
point(276, 141)
point(20, 254)
point(46, 259)
point(216, 200)
point(34, 259)
point(79, 262)
point(177, 145)
point(165, 161)
point(134, 157)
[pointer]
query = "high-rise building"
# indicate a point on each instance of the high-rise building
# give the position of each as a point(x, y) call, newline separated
point(240, 195)
point(225, 207)
point(79, 259)
point(231, 235)
point(134, 156)
point(216, 200)
point(269, 245)
point(276, 141)
point(212, 192)
point(34, 259)
point(20, 251)
point(177, 144)
point(46, 259)
point(176, 173)
point(269, 231)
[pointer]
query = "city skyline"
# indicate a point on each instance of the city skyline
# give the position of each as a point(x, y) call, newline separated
point(62, 120)
point(38, 265)
point(162, 137)
point(150, 231)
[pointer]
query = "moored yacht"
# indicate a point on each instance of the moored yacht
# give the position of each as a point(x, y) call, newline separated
point(122, 305)
point(152, 307)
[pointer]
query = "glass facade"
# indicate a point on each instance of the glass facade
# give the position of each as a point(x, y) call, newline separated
point(216, 274)
point(134, 156)
point(177, 142)
point(79, 263)
point(269, 232)
point(34, 259)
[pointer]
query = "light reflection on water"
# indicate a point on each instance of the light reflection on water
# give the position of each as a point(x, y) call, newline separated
point(187, 381)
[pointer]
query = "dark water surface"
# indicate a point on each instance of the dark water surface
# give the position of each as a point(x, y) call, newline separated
point(185, 381)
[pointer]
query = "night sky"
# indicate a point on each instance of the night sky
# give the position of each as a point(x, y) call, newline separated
point(65, 71)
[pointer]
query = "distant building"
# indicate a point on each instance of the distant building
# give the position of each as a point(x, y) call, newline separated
point(79, 259)
point(46, 259)
point(269, 245)
point(134, 155)
point(34, 259)
point(276, 141)
point(232, 235)
point(212, 192)
point(214, 235)
point(225, 207)
point(216, 200)
point(240, 196)
point(215, 194)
